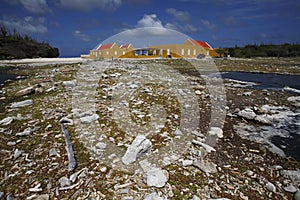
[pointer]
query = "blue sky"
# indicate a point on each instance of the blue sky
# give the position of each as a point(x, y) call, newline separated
point(76, 26)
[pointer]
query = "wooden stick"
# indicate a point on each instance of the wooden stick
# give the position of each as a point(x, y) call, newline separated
point(71, 157)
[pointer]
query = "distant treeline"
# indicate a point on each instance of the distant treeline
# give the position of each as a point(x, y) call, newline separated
point(262, 50)
point(13, 45)
point(6, 33)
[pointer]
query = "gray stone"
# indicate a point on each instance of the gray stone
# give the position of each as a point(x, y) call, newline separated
point(207, 148)
point(187, 163)
point(138, 148)
point(177, 132)
point(64, 181)
point(43, 197)
point(271, 187)
point(153, 196)
point(37, 188)
point(1, 195)
point(195, 198)
point(297, 195)
point(295, 100)
point(263, 119)
point(290, 189)
point(127, 198)
point(24, 103)
point(11, 143)
point(101, 145)
point(216, 131)
point(18, 153)
point(10, 197)
point(206, 166)
point(53, 152)
point(26, 132)
point(247, 93)
point(294, 175)
point(247, 113)
point(89, 118)
point(6, 121)
point(156, 177)
point(70, 83)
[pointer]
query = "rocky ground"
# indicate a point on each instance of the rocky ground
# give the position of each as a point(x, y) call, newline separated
point(51, 105)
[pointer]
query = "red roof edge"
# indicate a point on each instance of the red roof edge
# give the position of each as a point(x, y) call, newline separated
point(201, 43)
point(105, 46)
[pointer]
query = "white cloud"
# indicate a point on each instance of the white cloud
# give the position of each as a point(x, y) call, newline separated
point(81, 36)
point(153, 21)
point(188, 28)
point(34, 6)
point(88, 5)
point(179, 15)
point(208, 25)
point(149, 21)
point(27, 25)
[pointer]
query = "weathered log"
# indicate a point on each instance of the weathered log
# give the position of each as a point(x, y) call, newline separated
point(69, 148)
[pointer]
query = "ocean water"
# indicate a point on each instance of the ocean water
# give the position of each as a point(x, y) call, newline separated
point(4, 76)
point(265, 80)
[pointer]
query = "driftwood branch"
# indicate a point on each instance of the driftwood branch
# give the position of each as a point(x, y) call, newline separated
point(71, 157)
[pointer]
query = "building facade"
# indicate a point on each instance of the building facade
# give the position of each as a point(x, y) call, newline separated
point(189, 49)
point(108, 51)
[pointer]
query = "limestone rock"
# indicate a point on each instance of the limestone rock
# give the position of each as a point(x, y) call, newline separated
point(6, 121)
point(18, 153)
point(43, 197)
point(64, 181)
point(290, 189)
point(263, 119)
point(216, 131)
point(26, 91)
point(89, 118)
point(187, 163)
point(37, 188)
point(271, 187)
point(153, 196)
point(247, 113)
point(138, 148)
point(24, 103)
point(297, 195)
point(206, 166)
point(156, 177)
point(195, 198)
point(26, 132)
point(70, 83)
point(53, 152)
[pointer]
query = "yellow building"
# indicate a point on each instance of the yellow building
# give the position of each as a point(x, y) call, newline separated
point(110, 51)
point(189, 49)
point(181, 50)
point(209, 50)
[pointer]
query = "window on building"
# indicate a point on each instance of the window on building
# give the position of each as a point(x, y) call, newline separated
point(189, 52)
point(107, 52)
point(168, 51)
point(194, 52)
point(182, 52)
point(116, 53)
point(123, 52)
